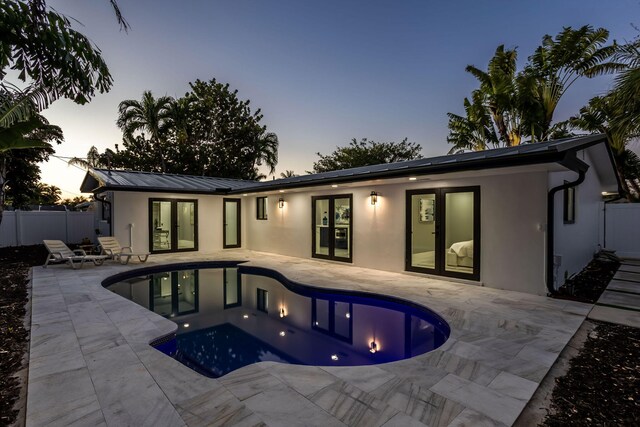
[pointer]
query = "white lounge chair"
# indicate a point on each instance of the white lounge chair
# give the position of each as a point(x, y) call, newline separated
point(111, 247)
point(60, 252)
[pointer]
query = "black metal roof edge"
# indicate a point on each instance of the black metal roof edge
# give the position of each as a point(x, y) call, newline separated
point(536, 158)
point(109, 171)
point(552, 154)
point(217, 191)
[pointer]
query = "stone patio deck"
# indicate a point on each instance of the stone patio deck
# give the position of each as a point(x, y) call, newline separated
point(90, 362)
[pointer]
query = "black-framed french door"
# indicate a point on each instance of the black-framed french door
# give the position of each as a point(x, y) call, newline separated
point(174, 293)
point(443, 231)
point(332, 227)
point(173, 225)
point(231, 223)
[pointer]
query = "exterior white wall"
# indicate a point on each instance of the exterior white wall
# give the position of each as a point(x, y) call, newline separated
point(575, 244)
point(513, 211)
point(133, 208)
point(513, 218)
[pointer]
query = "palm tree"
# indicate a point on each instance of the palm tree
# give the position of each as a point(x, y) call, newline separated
point(47, 194)
point(266, 150)
point(497, 89)
point(149, 115)
point(474, 131)
point(521, 104)
point(287, 174)
point(598, 116)
point(558, 62)
point(93, 160)
point(627, 86)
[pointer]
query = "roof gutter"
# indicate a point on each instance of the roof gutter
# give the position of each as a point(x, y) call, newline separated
point(576, 165)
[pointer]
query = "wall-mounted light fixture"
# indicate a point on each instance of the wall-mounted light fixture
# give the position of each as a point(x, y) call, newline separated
point(374, 198)
point(281, 203)
point(373, 347)
point(412, 178)
point(282, 313)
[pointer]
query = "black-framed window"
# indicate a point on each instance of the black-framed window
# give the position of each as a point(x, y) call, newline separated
point(262, 300)
point(569, 205)
point(261, 208)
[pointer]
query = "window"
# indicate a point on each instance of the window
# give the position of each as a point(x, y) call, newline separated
point(261, 208)
point(263, 300)
point(569, 211)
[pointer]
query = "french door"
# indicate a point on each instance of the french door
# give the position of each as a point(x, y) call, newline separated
point(443, 232)
point(173, 225)
point(331, 231)
point(231, 223)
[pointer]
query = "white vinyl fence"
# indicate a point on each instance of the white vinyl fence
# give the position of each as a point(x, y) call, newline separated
point(622, 229)
point(32, 227)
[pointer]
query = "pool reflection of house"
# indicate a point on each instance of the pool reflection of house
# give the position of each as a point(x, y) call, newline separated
point(512, 218)
point(292, 327)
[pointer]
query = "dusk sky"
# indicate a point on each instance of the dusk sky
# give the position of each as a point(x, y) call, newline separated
point(323, 72)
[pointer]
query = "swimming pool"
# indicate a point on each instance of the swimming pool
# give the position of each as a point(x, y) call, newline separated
point(230, 316)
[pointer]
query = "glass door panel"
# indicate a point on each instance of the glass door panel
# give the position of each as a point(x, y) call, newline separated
point(459, 232)
point(423, 231)
point(443, 232)
point(161, 294)
point(231, 223)
point(161, 225)
point(232, 288)
point(342, 225)
point(186, 220)
point(187, 291)
point(322, 226)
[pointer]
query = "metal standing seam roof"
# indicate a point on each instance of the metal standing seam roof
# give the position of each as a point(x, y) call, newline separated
point(98, 180)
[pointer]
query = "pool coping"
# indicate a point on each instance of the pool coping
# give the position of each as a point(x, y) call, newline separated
point(502, 344)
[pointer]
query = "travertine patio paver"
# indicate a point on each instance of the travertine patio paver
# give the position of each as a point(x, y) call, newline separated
point(91, 362)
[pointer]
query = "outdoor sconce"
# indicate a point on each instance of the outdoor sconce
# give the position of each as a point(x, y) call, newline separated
point(374, 198)
point(281, 203)
point(373, 348)
point(282, 313)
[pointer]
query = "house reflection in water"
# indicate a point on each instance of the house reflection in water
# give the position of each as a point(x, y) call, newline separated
point(227, 319)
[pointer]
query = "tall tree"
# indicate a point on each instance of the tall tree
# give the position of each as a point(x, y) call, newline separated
point(23, 136)
point(287, 174)
point(366, 153)
point(47, 194)
point(560, 61)
point(209, 131)
point(56, 61)
point(149, 115)
point(474, 131)
point(93, 160)
point(519, 105)
point(627, 87)
point(599, 116)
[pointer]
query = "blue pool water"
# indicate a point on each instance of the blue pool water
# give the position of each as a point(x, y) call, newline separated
point(232, 316)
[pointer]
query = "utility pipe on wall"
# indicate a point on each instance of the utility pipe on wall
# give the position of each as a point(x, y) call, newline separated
point(582, 173)
point(131, 236)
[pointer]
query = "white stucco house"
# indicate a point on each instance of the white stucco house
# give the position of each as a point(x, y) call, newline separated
point(519, 218)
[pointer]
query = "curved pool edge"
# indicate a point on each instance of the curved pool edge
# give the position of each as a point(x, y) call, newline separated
point(294, 286)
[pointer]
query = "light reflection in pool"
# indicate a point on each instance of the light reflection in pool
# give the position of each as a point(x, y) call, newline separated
point(228, 319)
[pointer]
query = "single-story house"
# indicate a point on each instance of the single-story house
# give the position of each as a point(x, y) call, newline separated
point(519, 218)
